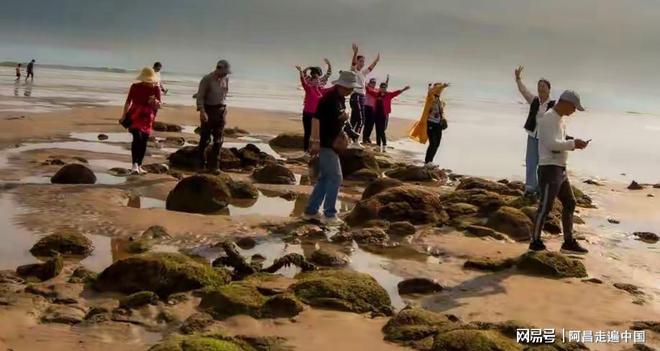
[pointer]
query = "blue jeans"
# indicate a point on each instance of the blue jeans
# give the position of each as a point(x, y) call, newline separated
point(531, 164)
point(327, 185)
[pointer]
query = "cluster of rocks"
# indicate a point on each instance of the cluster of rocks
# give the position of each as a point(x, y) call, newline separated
point(247, 157)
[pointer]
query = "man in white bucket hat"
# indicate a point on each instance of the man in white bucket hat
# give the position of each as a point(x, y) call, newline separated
point(328, 138)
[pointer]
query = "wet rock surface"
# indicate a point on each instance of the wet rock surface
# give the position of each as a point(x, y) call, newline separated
point(42, 271)
point(200, 194)
point(468, 183)
point(411, 173)
point(551, 264)
point(287, 141)
point(329, 258)
point(380, 185)
point(65, 243)
point(74, 173)
point(512, 222)
point(353, 160)
point(647, 237)
point(418, 286)
point(274, 174)
point(166, 127)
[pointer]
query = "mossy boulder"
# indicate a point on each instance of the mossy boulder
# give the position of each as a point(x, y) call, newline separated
point(364, 175)
point(200, 194)
point(66, 243)
point(42, 271)
point(329, 258)
point(480, 183)
point(342, 290)
point(74, 173)
point(217, 342)
point(582, 199)
point(551, 264)
point(274, 173)
point(474, 340)
point(287, 141)
point(245, 298)
point(353, 160)
point(281, 306)
point(138, 246)
point(512, 222)
point(243, 190)
point(416, 204)
point(460, 209)
point(486, 201)
point(379, 185)
point(167, 127)
point(411, 173)
point(402, 228)
point(138, 299)
point(162, 273)
point(552, 222)
point(363, 236)
point(82, 275)
point(197, 322)
point(417, 327)
point(490, 264)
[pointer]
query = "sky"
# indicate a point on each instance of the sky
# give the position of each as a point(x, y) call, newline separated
point(607, 49)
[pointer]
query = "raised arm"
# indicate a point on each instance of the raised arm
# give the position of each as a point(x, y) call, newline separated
point(373, 64)
point(387, 80)
point(355, 55)
point(328, 73)
point(302, 76)
point(529, 97)
point(400, 91)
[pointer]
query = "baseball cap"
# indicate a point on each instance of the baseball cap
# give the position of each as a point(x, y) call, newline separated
point(225, 64)
point(572, 97)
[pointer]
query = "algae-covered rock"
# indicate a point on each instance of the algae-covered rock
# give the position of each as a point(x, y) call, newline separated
point(66, 243)
point(74, 173)
point(196, 323)
point(363, 236)
point(480, 183)
point(162, 273)
point(416, 327)
point(281, 306)
point(232, 299)
point(402, 228)
point(288, 141)
point(82, 275)
point(512, 222)
point(486, 201)
point(474, 340)
point(412, 173)
point(42, 271)
point(551, 264)
point(418, 286)
point(200, 194)
point(329, 258)
point(490, 264)
point(196, 343)
point(379, 185)
point(138, 299)
point(342, 290)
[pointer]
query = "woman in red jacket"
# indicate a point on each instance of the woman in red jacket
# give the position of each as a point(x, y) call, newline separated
point(141, 105)
point(382, 109)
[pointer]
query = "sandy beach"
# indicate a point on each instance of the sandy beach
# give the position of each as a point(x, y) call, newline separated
point(117, 209)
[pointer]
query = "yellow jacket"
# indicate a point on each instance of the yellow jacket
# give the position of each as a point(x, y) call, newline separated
point(418, 130)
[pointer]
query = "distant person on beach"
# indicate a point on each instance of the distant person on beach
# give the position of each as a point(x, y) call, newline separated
point(142, 102)
point(369, 102)
point(539, 105)
point(554, 146)
point(211, 95)
point(30, 71)
point(313, 84)
point(18, 72)
point(382, 109)
point(328, 138)
point(358, 96)
point(157, 68)
point(436, 122)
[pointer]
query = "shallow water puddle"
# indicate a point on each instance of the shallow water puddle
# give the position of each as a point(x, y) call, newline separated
point(114, 137)
point(145, 202)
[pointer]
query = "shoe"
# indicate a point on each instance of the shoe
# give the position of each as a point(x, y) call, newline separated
point(537, 245)
point(573, 247)
point(356, 145)
point(141, 170)
point(332, 221)
point(530, 195)
point(135, 169)
point(312, 217)
point(429, 165)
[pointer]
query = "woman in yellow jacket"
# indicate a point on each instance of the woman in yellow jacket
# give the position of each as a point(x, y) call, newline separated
point(430, 125)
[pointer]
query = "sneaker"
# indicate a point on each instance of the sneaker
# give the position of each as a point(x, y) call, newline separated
point(332, 221)
point(135, 169)
point(573, 247)
point(315, 217)
point(537, 245)
point(356, 145)
point(141, 170)
point(430, 165)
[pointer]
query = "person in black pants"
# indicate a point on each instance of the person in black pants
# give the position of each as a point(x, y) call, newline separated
point(138, 146)
point(435, 124)
point(213, 89)
point(30, 71)
point(213, 127)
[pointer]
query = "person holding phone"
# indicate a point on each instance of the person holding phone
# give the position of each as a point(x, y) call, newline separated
point(553, 176)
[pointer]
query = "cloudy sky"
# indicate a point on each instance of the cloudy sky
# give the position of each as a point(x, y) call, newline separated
point(608, 48)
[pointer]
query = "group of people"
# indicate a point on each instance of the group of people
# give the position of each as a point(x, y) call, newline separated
point(29, 71)
point(329, 129)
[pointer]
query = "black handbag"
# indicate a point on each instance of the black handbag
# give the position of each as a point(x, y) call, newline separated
point(443, 124)
point(126, 121)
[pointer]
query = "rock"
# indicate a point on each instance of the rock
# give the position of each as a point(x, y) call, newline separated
point(156, 168)
point(647, 237)
point(53, 162)
point(486, 201)
point(42, 271)
point(635, 186)
point(474, 340)
point(418, 286)
point(468, 183)
point(342, 290)
point(245, 243)
point(551, 264)
point(416, 204)
point(232, 299)
point(167, 127)
point(274, 174)
point(234, 132)
point(512, 222)
point(102, 137)
point(138, 299)
point(379, 185)
point(119, 172)
point(65, 243)
point(552, 222)
point(287, 141)
point(218, 342)
point(646, 325)
point(656, 186)
point(80, 159)
point(460, 209)
point(74, 174)
point(592, 182)
point(200, 194)
point(243, 190)
point(229, 160)
point(155, 232)
point(329, 258)
point(592, 280)
point(582, 199)
point(281, 306)
point(174, 141)
point(362, 236)
point(186, 157)
point(59, 293)
point(629, 288)
point(481, 232)
point(377, 223)
point(489, 264)
point(384, 162)
point(411, 173)
point(364, 175)
point(138, 246)
point(82, 275)
point(310, 231)
point(196, 323)
point(353, 160)
point(162, 273)
point(416, 327)
point(63, 314)
point(613, 221)
point(401, 229)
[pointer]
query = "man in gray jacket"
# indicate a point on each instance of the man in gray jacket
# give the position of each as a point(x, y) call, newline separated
point(553, 178)
point(213, 89)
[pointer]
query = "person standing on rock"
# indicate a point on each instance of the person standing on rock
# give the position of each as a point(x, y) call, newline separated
point(553, 177)
point(369, 103)
point(142, 102)
point(211, 95)
point(382, 108)
point(327, 134)
point(435, 122)
point(539, 105)
point(314, 90)
point(157, 68)
point(358, 96)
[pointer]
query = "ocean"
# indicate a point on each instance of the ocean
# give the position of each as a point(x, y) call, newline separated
point(485, 135)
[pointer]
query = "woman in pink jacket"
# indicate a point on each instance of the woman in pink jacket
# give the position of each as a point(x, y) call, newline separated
point(314, 90)
point(382, 109)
